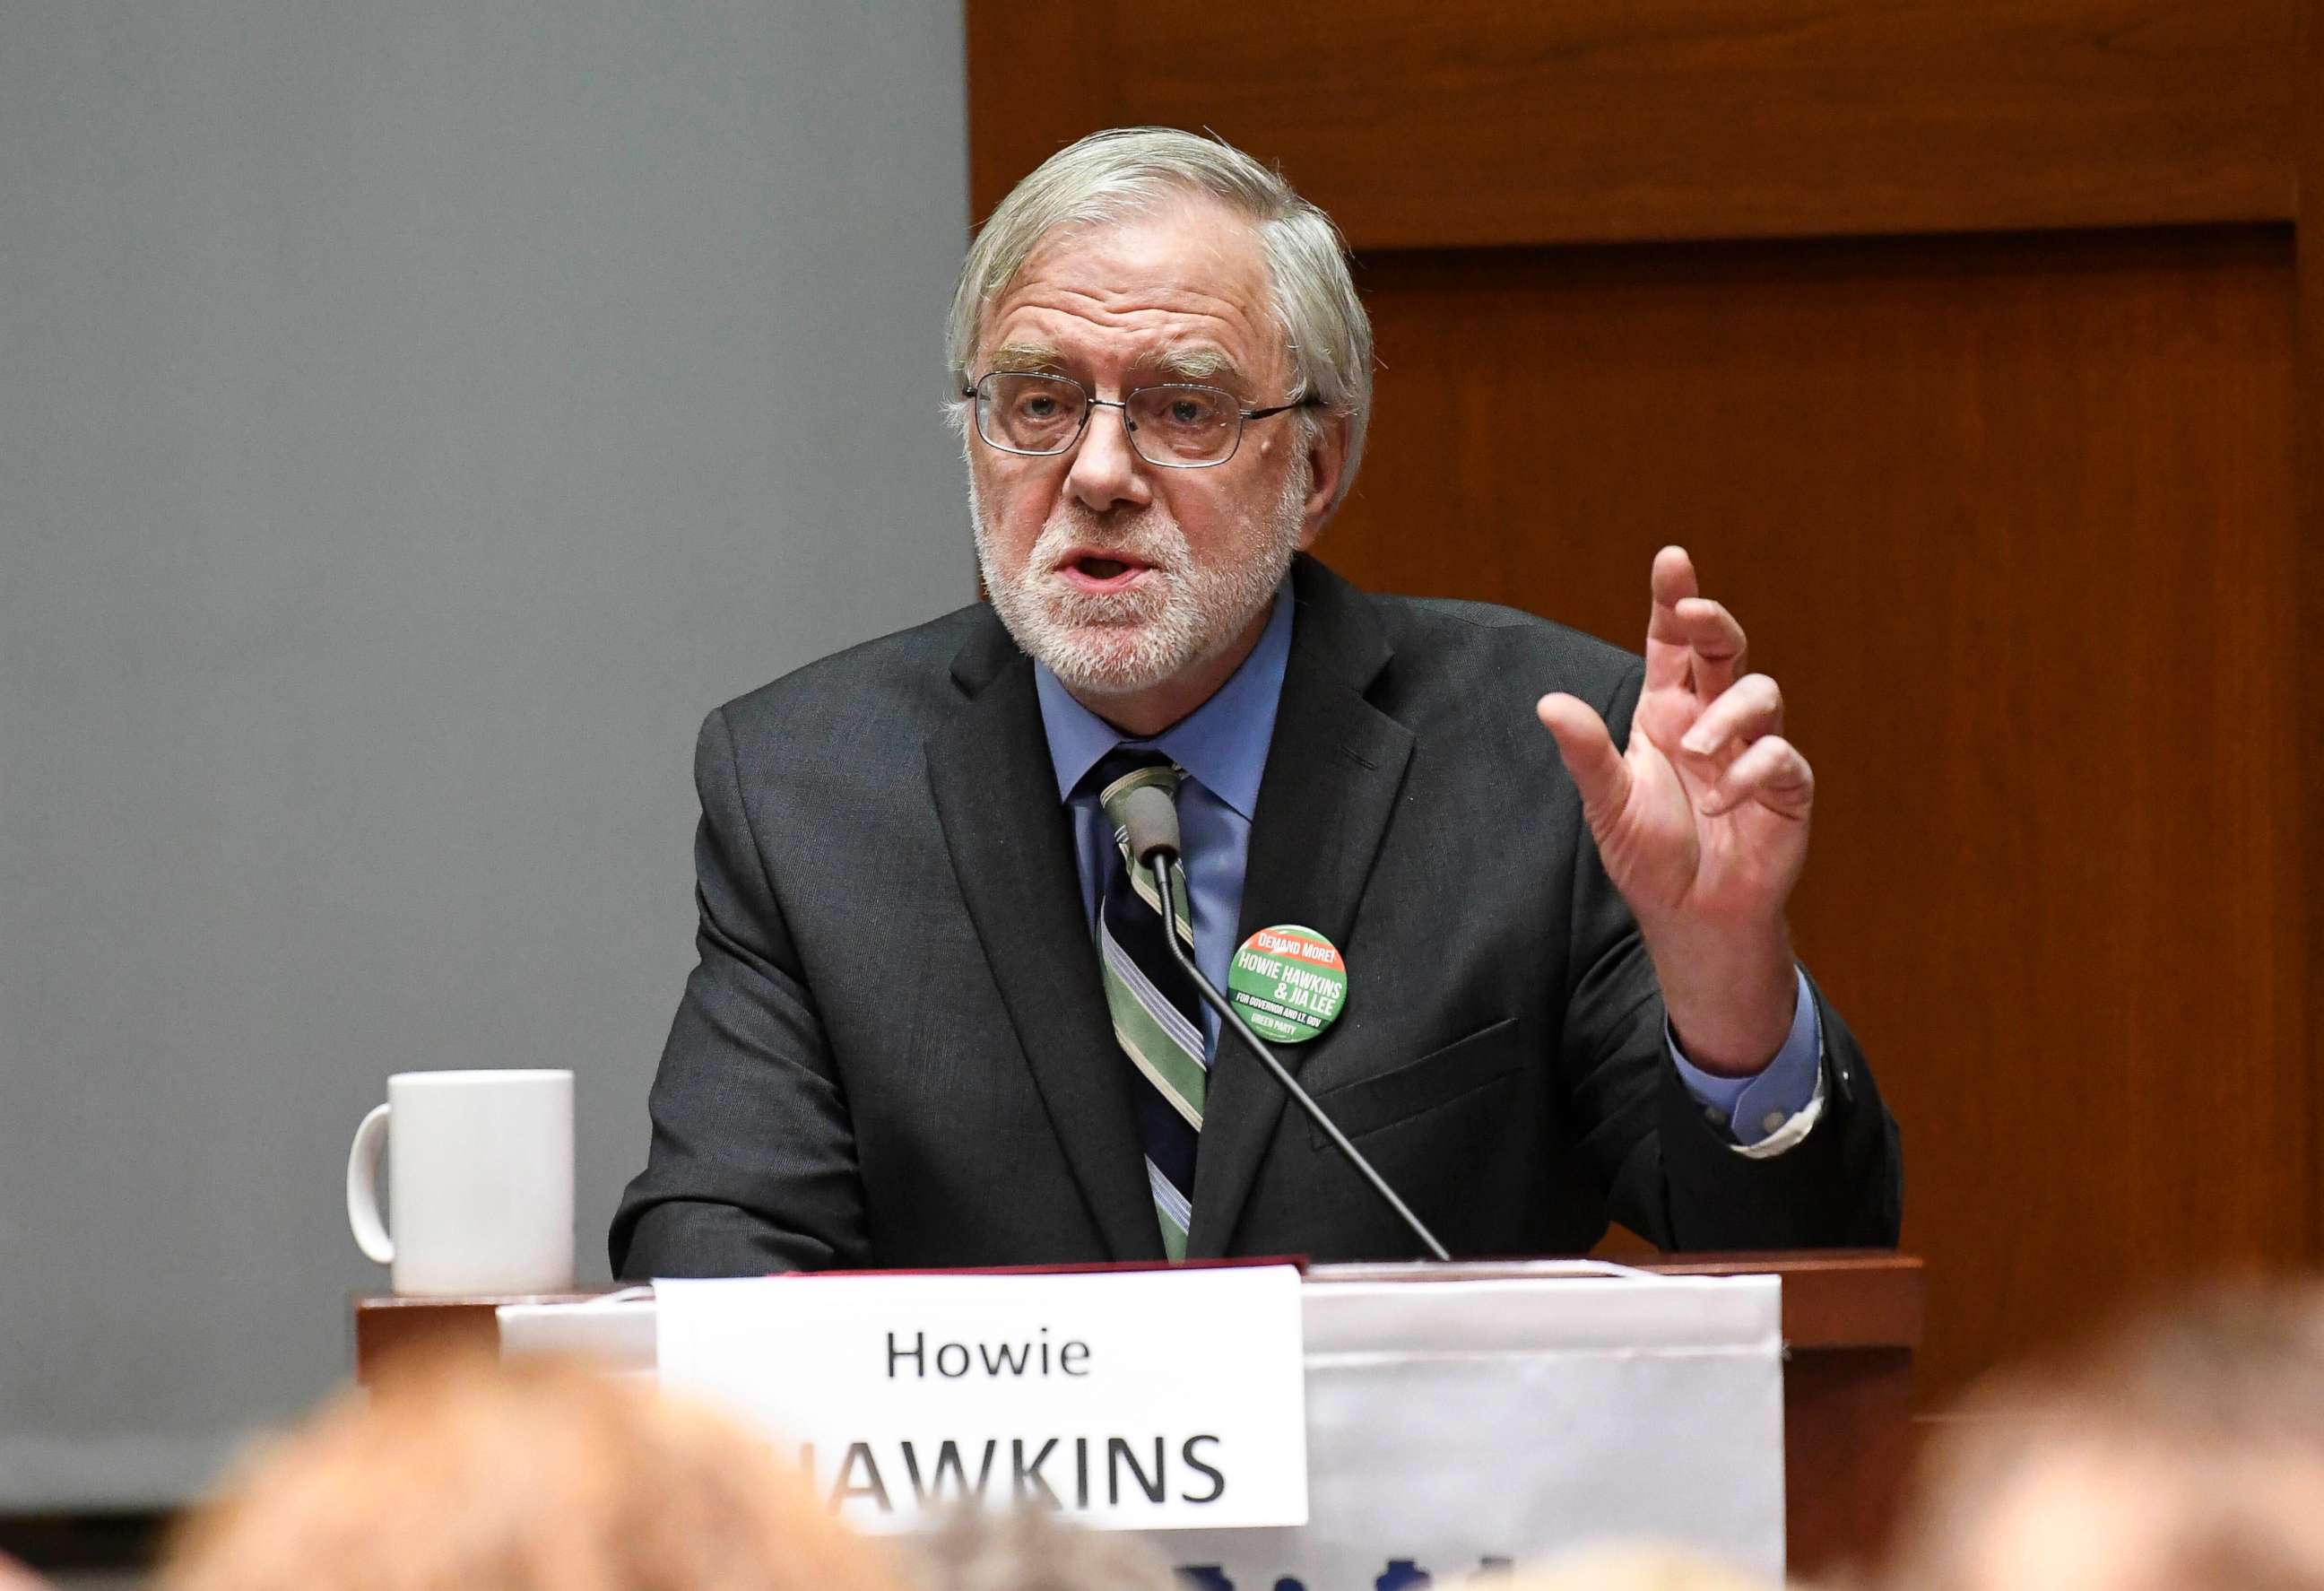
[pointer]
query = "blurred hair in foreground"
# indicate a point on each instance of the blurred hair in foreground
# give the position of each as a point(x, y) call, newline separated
point(2186, 1452)
point(536, 1476)
point(1624, 1568)
point(1032, 1550)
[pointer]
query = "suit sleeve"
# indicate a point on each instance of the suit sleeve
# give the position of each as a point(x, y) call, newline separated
point(1667, 1172)
point(752, 1166)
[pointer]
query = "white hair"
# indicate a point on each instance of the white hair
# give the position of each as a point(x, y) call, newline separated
point(1109, 178)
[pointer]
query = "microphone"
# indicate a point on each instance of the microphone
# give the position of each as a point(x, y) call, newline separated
point(1149, 818)
point(1149, 821)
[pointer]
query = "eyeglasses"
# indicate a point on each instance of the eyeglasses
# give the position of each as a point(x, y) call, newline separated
point(1175, 426)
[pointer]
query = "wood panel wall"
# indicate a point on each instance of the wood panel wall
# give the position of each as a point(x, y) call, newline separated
point(1978, 351)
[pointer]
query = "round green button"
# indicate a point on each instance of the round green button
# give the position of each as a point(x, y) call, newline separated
point(1289, 983)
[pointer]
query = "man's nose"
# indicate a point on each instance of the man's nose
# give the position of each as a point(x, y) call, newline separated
point(1106, 472)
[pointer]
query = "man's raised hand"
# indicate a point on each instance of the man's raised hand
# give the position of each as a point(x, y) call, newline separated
point(1702, 821)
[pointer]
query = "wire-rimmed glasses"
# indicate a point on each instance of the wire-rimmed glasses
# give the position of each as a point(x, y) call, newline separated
point(1177, 425)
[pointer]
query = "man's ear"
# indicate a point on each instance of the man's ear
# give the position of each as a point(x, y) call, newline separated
point(1327, 460)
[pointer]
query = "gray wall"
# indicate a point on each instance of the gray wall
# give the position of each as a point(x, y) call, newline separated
point(413, 418)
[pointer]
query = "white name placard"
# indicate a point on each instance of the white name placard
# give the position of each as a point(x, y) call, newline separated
point(1143, 1399)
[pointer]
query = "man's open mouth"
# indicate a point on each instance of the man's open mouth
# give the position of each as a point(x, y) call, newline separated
point(1093, 571)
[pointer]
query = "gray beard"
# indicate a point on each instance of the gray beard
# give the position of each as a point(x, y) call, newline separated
point(1104, 644)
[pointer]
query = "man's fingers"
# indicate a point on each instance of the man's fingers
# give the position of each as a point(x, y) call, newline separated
point(1598, 770)
point(1668, 644)
point(1746, 710)
point(1673, 576)
point(1716, 640)
point(1772, 772)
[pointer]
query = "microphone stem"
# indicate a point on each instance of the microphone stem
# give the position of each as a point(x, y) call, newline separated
point(1169, 883)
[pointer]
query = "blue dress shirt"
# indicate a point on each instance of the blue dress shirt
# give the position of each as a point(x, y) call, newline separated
point(1222, 745)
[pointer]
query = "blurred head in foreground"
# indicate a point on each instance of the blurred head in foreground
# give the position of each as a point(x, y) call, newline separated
point(2187, 1453)
point(1032, 1550)
point(534, 1476)
point(1624, 1568)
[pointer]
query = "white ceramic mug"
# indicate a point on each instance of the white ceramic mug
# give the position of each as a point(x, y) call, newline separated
point(480, 1182)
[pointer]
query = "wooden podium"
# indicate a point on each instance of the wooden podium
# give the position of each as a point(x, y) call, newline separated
point(1851, 1321)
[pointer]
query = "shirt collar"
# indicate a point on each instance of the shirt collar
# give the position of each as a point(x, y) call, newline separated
point(1222, 745)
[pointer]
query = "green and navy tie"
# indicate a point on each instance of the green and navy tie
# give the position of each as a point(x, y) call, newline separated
point(1156, 1015)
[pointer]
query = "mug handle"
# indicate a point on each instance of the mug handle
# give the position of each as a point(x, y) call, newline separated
point(363, 1189)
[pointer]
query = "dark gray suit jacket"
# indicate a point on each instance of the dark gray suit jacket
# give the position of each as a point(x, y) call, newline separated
point(895, 1051)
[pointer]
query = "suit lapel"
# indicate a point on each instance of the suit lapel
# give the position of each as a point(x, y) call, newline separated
point(996, 795)
point(1334, 768)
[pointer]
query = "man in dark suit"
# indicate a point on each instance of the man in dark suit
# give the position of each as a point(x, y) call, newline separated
point(932, 1023)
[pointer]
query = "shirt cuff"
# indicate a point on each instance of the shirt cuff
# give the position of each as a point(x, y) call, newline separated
point(1755, 1108)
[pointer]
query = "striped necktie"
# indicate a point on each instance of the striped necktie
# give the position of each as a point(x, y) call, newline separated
point(1156, 1015)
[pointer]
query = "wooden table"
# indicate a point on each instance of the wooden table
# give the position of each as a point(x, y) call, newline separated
point(1851, 1320)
